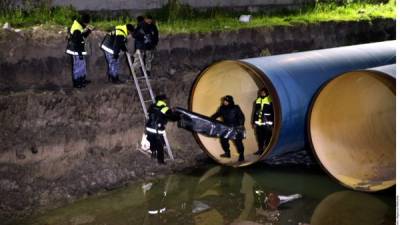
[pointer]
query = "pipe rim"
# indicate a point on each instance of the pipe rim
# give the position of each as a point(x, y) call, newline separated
point(309, 135)
point(275, 99)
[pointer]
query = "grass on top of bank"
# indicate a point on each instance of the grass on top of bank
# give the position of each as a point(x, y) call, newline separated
point(176, 18)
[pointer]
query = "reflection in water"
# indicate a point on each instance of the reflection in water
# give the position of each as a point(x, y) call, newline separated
point(349, 208)
point(219, 196)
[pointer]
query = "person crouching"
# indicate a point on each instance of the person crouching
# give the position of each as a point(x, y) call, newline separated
point(113, 43)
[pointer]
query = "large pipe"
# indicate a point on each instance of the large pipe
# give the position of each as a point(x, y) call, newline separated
point(352, 128)
point(292, 81)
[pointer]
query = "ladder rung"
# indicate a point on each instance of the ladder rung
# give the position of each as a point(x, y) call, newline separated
point(148, 101)
point(143, 89)
point(142, 77)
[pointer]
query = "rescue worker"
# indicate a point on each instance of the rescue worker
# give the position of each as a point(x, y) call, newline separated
point(263, 119)
point(232, 116)
point(159, 114)
point(146, 40)
point(78, 32)
point(113, 43)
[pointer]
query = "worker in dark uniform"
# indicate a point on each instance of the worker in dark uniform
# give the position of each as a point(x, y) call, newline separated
point(232, 116)
point(113, 43)
point(139, 46)
point(146, 41)
point(78, 32)
point(263, 120)
point(159, 114)
point(150, 41)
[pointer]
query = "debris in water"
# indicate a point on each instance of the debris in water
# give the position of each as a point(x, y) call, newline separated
point(199, 207)
point(146, 187)
point(273, 201)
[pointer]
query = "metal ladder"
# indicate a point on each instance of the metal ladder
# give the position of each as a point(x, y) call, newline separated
point(149, 99)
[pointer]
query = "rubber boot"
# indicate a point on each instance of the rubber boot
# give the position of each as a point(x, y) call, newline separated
point(116, 80)
point(82, 81)
point(76, 83)
point(85, 82)
point(225, 155)
point(241, 158)
point(258, 152)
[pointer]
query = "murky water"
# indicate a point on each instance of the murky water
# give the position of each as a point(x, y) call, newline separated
point(219, 195)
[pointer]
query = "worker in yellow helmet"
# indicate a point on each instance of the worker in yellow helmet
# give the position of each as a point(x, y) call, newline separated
point(113, 43)
point(78, 32)
point(159, 114)
point(263, 119)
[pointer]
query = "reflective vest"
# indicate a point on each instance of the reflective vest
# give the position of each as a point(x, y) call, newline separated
point(262, 114)
point(157, 118)
point(108, 42)
point(76, 26)
point(121, 30)
point(163, 105)
point(72, 48)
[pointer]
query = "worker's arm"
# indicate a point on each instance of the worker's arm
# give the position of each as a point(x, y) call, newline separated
point(86, 32)
point(155, 41)
point(256, 109)
point(171, 115)
point(119, 44)
point(240, 116)
point(216, 114)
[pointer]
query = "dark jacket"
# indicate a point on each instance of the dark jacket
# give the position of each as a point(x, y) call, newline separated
point(231, 115)
point(76, 40)
point(113, 43)
point(263, 113)
point(139, 37)
point(151, 36)
point(146, 36)
point(159, 115)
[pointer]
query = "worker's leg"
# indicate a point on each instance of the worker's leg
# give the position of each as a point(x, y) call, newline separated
point(225, 146)
point(78, 71)
point(262, 137)
point(136, 62)
point(240, 148)
point(153, 144)
point(160, 148)
point(109, 65)
point(149, 59)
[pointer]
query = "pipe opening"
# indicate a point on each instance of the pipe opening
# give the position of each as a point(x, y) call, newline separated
point(352, 129)
point(242, 82)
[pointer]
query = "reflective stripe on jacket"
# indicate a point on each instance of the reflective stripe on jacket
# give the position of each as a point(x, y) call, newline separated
point(76, 43)
point(157, 117)
point(263, 111)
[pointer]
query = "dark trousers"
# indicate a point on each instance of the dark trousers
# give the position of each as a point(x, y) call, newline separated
point(157, 145)
point(263, 134)
point(238, 142)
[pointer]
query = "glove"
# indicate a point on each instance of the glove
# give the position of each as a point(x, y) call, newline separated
point(115, 56)
point(81, 57)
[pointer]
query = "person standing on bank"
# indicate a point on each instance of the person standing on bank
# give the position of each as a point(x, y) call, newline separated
point(159, 115)
point(232, 116)
point(112, 44)
point(78, 32)
point(146, 41)
point(263, 119)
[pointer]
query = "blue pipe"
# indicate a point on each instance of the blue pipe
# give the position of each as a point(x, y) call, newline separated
point(296, 77)
point(292, 80)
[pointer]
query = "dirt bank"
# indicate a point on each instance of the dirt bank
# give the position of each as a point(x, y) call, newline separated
point(58, 144)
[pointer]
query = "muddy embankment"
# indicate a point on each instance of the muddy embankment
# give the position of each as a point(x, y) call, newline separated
point(58, 144)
